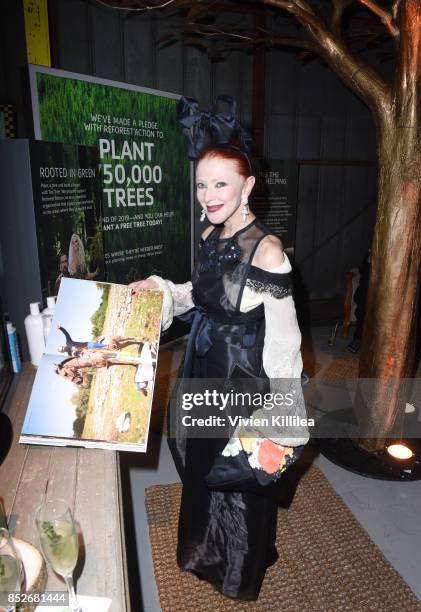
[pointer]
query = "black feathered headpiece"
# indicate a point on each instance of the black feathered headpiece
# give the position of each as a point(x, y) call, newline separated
point(216, 127)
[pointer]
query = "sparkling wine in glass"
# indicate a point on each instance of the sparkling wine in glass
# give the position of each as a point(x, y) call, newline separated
point(10, 569)
point(59, 541)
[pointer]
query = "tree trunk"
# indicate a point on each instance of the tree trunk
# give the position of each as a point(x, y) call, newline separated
point(389, 328)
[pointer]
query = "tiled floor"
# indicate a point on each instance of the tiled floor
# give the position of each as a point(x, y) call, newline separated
point(389, 511)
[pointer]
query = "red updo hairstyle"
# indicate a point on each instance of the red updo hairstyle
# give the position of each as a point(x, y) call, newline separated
point(228, 152)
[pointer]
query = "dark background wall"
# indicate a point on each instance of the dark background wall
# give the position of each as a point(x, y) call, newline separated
point(301, 108)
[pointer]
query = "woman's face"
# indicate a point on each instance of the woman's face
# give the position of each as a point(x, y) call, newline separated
point(219, 188)
point(75, 244)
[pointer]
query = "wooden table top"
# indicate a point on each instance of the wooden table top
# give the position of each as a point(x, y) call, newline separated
point(89, 480)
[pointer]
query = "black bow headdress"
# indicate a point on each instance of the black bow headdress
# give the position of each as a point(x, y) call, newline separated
point(214, 127)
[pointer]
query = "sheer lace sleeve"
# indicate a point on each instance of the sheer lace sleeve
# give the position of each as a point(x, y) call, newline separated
point(282, 360)
point(283, 364)
point(281, 352)
point(177, 299)
point(182, 297)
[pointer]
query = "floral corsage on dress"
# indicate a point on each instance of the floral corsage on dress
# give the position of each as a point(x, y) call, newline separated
point(266, 458)
point(250, 459)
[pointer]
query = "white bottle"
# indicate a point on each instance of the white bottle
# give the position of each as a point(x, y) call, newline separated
point(35, 333)
point(47, 316)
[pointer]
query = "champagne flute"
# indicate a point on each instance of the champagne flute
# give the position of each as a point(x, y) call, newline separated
point(59, 542)
point(10, 568)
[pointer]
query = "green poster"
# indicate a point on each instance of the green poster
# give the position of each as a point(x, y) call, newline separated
point(67, 206)
point(144, 170)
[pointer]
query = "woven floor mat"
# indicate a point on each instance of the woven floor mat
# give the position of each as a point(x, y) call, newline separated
point(327, 561)
point(343, 367)
point(346, 367)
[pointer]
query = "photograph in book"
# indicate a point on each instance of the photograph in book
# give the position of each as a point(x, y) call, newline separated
point(94, 385)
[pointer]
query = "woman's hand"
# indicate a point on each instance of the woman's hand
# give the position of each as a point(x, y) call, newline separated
point(144, 285)
point(91, 275)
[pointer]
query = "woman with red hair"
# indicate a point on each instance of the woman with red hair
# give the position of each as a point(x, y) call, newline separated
point(244, 328)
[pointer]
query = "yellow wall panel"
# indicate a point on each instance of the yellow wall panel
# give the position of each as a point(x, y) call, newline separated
point(37, 33)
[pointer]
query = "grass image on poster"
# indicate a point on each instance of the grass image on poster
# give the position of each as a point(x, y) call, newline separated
point(144, 170)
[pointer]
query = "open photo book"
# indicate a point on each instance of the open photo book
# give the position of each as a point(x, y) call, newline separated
point(94, 385)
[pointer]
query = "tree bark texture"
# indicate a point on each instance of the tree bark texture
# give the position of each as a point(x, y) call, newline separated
point(389, 329)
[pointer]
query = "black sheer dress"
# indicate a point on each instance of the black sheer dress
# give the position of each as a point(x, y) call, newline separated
point(226, 537)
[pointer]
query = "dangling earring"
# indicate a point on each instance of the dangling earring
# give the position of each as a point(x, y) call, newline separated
point(245, 211)
point(202, 215)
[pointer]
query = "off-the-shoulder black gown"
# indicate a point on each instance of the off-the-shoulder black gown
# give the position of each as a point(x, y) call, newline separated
point(226, 537)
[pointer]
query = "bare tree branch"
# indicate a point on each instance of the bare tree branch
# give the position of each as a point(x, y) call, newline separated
point(322, 40)
point(211, 31)
point(408, 74)
point(395, 8)
point(130, 5)
point(339, 7)
point(385, 16)
point(266, 38)
point(355, 73)
point(291, 5)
